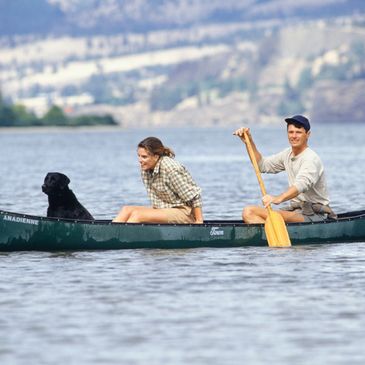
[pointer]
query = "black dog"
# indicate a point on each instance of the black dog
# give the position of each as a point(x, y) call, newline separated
point(62, 202)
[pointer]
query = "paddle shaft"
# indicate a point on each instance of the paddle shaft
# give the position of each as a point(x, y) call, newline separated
point(275, 229)
point(255, 165)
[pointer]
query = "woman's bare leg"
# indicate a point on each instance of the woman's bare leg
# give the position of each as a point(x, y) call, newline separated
point(125, 213)
point(140, 214)
point(148, 215)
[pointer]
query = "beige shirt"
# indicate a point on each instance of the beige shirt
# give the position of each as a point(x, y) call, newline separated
point(305, 172)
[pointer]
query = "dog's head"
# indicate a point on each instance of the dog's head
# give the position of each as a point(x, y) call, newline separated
point(55, 183)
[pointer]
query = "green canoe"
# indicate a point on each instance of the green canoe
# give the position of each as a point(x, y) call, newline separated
point(20, 232)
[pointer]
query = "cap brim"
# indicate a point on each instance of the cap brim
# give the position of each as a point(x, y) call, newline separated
point(304, 125)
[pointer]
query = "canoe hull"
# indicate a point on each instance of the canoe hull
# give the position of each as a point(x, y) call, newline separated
point(20, 232)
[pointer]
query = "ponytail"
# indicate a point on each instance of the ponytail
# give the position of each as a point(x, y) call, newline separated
point(168, 152)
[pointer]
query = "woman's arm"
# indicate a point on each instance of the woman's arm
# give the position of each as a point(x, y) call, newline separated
point(198, 214)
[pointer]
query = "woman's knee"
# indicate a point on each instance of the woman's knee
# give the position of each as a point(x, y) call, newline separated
point(136, 216)
point(127, 209)
point(124, 213)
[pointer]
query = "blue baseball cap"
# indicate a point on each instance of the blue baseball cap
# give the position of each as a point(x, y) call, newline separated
point(301, 120)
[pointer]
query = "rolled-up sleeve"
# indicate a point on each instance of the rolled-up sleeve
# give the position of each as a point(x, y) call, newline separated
point(272, 164)
point(185, 188)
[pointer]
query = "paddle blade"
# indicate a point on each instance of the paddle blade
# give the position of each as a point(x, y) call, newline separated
point(276, 232)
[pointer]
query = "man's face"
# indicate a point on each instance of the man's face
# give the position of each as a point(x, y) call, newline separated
point(298, 137)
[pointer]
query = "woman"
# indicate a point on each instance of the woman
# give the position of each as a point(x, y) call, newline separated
point(174, 195)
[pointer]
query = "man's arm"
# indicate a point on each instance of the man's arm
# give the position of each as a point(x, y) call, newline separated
point(240, 133)
point(291, 193)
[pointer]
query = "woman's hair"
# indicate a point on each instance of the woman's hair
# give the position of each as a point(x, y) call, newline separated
point(154, 145)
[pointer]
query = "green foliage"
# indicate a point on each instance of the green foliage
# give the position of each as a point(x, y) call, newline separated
point(24, 117)
point(18, 116)
point(55, 116)
point(7, 116)
point(85, 120)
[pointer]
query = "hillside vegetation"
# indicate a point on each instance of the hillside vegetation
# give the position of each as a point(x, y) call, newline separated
point(190, 62)
point(19, 116)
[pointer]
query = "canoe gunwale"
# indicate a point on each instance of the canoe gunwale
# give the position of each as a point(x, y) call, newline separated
point(342, 217)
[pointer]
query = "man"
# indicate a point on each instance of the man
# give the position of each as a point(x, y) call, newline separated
point(307, 190)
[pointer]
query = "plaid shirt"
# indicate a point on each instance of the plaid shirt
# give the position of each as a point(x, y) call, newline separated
point(171, 185)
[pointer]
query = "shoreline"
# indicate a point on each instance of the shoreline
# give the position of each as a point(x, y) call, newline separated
point(120, 128)
point(92, 129)
point(102, 129)
point(67, 129)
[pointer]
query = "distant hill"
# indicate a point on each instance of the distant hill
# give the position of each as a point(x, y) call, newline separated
point(184, 62)
point(91, 17)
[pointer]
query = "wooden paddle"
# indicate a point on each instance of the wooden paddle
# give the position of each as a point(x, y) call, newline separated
point(275, 228)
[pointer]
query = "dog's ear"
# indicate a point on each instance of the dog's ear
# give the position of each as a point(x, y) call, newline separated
point(64, 181)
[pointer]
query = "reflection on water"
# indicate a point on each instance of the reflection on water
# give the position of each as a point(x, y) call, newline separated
point(203, 306)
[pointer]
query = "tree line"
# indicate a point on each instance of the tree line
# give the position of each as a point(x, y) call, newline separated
point(16, 115)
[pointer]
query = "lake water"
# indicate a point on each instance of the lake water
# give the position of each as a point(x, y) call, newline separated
point(304, 305)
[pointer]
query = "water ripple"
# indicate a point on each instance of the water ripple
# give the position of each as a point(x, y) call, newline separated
point(202, 306)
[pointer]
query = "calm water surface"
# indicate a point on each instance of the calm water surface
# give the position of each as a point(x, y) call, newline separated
point(304, 305)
